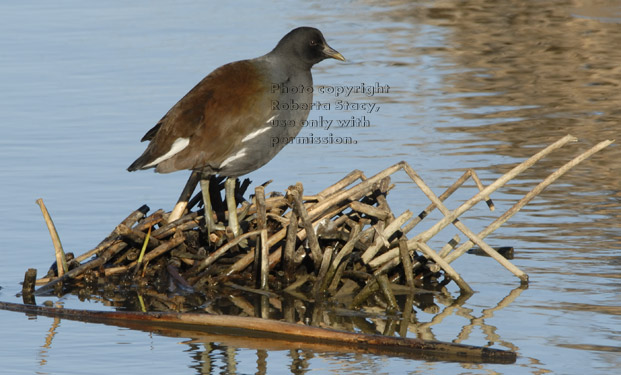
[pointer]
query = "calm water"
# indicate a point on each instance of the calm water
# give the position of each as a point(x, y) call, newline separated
point(475, 84)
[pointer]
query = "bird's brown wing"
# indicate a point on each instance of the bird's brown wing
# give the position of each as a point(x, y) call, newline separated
point(215, 115)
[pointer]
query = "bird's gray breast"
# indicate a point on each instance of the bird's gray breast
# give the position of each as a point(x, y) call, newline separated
point(292, 103)
point(291, 98)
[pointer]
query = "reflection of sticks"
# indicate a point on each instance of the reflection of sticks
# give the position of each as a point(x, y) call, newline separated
point(48, 340)
point(490, 331)
point(424, 329)
point(258, 327)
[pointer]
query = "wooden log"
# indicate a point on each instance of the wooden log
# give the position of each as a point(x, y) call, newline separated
point(406, 317)
point(271, 203)
point(138, 214)
point(164, 247)
point(384, 187)
point(354, 193)
point(270, 329)
point(370, 287)
point(389, 265)
point(453, 215)
point(363, 196)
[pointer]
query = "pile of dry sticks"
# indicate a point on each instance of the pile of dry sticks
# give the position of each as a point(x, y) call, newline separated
point(344, 243)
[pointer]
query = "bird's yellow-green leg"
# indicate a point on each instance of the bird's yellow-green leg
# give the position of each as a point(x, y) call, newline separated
point(209, 222)
point(231, 205)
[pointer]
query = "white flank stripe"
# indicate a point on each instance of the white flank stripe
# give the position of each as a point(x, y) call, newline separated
point(255, 133)
point(178, 145)
point(239, 154)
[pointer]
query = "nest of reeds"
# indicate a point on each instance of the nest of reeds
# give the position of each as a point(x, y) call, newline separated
point(343, 245)
point(315, 247)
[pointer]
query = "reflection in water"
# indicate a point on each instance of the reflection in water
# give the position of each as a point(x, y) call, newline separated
point(490, 331)
point(217, 352)
point(46, 347)
point(524, 75)
point(298, 359)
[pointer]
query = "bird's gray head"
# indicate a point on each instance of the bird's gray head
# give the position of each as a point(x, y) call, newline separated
point(305, 46)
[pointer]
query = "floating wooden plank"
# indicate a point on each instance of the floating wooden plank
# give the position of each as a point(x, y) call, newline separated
point(327, 339)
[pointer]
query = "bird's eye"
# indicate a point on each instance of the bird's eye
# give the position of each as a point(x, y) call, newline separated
point(313, 42)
